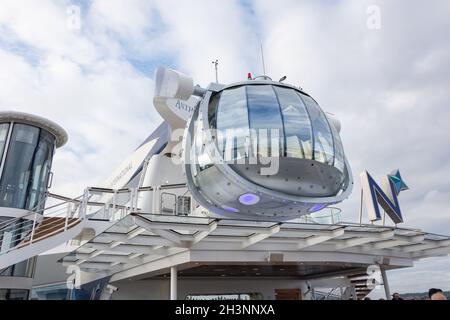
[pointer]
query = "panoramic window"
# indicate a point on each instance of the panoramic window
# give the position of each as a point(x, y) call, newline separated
point(3, 135)
point(26, 168)
point(338, 150)
point(297, 126)
point(40, 170)
point(232, 124)
point(264, 115)
point(271, 121)
point(323, 140)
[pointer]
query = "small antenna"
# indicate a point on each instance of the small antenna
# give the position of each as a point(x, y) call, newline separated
point(216, 63)
point(262, 59)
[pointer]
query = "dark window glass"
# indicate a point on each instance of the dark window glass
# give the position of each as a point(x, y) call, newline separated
point(3, 135)
point(13, 294)
point(265, 120)
point(212, 110)
point(323, 140)
point(297, 126)
point(25, 173)
point(232, 124)
point(18, 166)
point(22, 269)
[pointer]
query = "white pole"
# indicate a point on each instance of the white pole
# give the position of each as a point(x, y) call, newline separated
point(216, 63)
point(387, 290)
point(262, 58)
point(173, 283)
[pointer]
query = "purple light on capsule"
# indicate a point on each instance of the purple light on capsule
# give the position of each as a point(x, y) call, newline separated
point(230, 209)
point(249, 199)
point(317, 207)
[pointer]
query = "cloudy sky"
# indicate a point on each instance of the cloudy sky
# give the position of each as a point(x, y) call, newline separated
point(387, 80)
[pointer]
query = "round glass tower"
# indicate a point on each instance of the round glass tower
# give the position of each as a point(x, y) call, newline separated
point(27, 145)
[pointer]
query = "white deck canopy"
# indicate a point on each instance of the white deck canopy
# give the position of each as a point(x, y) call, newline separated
point(145, 245)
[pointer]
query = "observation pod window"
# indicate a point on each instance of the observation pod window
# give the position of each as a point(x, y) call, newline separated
point(26, 167)
point(232, 123)
point(269, 121)
point(265, 119)
point(297, 126)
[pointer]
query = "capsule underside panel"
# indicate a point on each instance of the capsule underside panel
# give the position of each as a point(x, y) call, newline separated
point(305, 178)
point(221, 192)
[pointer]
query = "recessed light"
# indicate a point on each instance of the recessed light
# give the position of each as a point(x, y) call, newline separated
point(249, 199)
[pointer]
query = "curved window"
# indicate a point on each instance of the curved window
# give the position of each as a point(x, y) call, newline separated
point(21, 269)
point(26, 169)
point(266, 124)
point(41, 169)
point(259, 120)
point(14, 294)
point(297, 126)
point(339, 161)
point(232, 124)
point(323, 140)
point(3, 136)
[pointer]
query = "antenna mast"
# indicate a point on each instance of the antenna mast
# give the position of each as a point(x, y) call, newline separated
point(216, 63)
point(262, 59)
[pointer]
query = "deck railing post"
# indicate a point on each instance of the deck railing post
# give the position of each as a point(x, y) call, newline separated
point(33, 228)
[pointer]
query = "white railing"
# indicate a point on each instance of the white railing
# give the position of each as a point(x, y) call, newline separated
point(29, 228)
point(329, 215)
point(112, 205)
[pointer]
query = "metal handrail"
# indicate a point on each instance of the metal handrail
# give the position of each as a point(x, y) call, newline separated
point(26, 231)
point(9, 222)
point(29, 213)
point(29, 237)
point(20, 226)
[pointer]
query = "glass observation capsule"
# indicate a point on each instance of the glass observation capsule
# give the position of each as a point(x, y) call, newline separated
point(267, 149)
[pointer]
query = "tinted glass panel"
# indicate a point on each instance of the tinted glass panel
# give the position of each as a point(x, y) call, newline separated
point(338, 150)
point(18, 166)
point(323, 140)
point(25, 174)
point(13, 294)
point(40, 170)
point(3, 135)
point(21, 269)
point(297, 126)
point(232, 124)
point(265, 120)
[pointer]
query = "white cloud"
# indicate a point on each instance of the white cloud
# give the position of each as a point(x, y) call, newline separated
point(103, 102)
